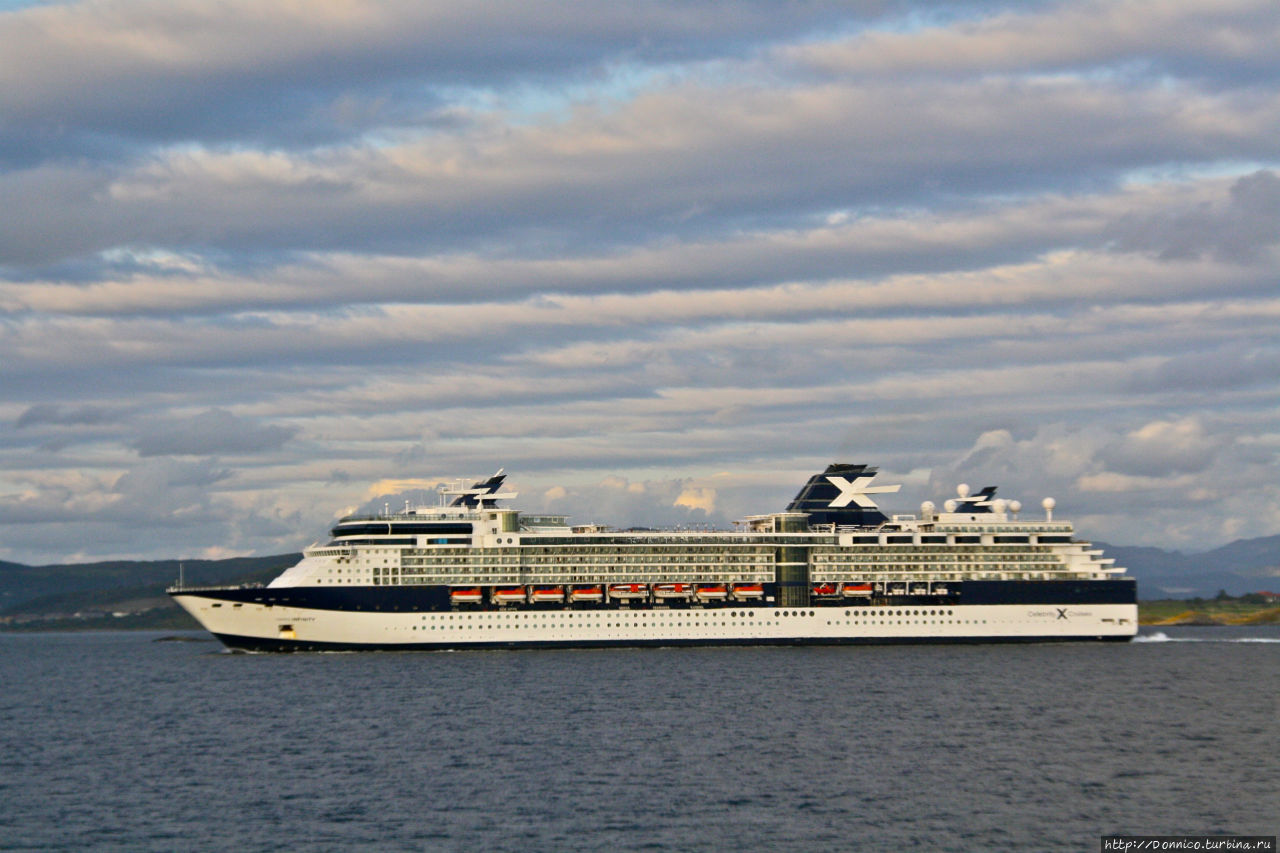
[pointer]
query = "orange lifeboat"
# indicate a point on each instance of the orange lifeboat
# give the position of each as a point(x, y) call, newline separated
point(850, 590)
point(745, 591)
point(671, 590)
point(711, 592)
point(591, 594)
point(466, 595)
point(824, 589)
point(628, 591)
point(547, 594)
point(509, 595)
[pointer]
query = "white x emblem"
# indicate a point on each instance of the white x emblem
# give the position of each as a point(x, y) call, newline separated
point(857, 491)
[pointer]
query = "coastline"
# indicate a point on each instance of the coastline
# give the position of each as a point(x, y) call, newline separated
point(1215, 612)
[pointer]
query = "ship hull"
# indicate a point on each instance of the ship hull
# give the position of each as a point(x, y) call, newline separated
point(290, 620)
point(261, 645)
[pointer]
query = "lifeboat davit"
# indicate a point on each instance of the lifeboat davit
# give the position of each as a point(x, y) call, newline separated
point(467, 595)
point(711, 592)
point(745, 591)
point(671, 590)
point(628, 591)
point(586, 593)
point(547, 594)
point(851, 590)
point(824, 589)
point(509, 595)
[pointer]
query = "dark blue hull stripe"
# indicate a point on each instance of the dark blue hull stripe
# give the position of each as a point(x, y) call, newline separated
point(260, 644)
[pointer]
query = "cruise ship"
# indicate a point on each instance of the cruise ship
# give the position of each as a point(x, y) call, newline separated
point(832, 568)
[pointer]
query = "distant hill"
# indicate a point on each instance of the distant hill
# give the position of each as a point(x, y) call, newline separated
point(1240, 567)
point(129, 591)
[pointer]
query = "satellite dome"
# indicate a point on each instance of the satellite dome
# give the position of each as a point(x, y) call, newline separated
point(1048, 503)
point(999, 505)
point(949, 506)
point(927, 508)
point(1015, 506)
point(963, 490)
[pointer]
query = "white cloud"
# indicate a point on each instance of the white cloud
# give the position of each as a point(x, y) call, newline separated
point(702, 498)
point(1234, 35)
point(1163, 448)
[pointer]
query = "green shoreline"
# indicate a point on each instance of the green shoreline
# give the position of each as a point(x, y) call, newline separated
point(167, 618)
point(1209, 613)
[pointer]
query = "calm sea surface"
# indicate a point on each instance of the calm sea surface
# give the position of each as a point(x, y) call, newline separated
point(115, 741)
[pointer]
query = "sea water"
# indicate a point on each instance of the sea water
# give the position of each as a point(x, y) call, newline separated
point(121, 741)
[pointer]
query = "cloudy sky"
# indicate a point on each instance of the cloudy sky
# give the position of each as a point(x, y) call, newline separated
point(264, 262)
